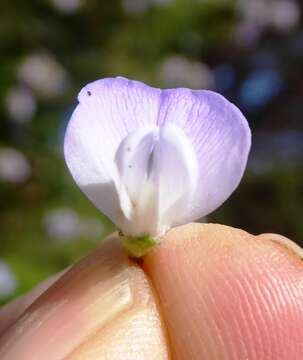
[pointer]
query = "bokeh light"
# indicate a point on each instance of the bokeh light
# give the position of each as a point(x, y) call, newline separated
point(21, 104)
point(177, 71)
point(43, 74)
point(67, 6)
point(8, 282)
point(14, 167)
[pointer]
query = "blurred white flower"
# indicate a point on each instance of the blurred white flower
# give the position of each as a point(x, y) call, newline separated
point(177, 71)
point(64, 224)
point(92, 228)
point(44, 75)
point(67, 6)
point(21, 104)
point(247, 34)
point(139, 6)
point(14, 167)
point(285, 15)
point(135, 6)
point(161, 2)
point(279, 14)
point(8, 282)
point(256, 11)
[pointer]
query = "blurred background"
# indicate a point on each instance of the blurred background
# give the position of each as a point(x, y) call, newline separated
point(251, 51)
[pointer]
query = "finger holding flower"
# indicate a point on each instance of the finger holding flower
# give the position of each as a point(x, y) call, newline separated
point(153, 159)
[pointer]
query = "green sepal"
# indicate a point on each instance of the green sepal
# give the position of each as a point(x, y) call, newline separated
point(137, 246)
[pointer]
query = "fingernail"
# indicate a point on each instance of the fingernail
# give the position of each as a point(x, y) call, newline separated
point(84, 300)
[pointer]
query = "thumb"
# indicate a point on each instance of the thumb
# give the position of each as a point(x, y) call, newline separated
point(103, 307)
point(226, 294)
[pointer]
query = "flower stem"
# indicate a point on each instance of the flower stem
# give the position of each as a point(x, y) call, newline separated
point(137, 246)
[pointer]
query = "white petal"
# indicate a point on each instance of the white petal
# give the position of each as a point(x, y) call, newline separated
point(157, 175)
point(177, 166)
point(133, 159)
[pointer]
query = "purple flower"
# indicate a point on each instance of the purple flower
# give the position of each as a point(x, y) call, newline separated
point(151, 159)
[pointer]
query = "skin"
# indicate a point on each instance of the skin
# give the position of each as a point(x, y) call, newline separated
point(207, 292)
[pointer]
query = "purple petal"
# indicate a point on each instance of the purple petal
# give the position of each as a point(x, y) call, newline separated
point(221, 139)
point(108, 111)
point(111, 109)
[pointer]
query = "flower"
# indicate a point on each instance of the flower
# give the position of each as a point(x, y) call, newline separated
point(67, 7)
point(64, 225)
point(152, 159)
point(14, 166)
point(8, 281)
point(179, 71)
point(43, 74)
point(21, 104)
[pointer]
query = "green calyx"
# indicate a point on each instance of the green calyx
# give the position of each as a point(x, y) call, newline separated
point(137, 246)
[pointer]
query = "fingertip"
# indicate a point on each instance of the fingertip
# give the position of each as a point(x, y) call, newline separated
point(226, 294)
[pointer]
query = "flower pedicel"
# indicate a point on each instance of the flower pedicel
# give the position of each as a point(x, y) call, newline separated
point(152, 159)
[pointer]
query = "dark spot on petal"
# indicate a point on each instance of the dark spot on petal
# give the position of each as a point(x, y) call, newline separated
point(89, 93)
point(128, 149)
point(129, 166)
